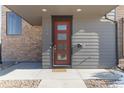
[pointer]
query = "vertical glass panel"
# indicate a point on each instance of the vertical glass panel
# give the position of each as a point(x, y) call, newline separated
point(14, 24)
point(61, 36)
point(61, 57)
point(62, 27)
point(61, 46)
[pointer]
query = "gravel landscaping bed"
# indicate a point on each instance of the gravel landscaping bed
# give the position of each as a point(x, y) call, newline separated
point(96, 83)
point(19, 83)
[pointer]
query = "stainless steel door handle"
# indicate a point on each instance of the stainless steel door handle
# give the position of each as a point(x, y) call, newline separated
point(54, 47)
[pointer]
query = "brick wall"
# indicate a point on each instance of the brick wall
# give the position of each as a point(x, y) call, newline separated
point(26, 47)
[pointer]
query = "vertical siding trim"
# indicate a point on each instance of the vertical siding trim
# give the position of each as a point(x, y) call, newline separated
point(0, 33)
point(0, 22)
point(122, 36)
point(116, 42)
point(116, 38)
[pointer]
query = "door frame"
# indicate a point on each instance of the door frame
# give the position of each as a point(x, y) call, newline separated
point(61, 17)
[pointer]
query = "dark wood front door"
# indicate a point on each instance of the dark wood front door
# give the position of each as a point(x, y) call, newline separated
point(62, 26)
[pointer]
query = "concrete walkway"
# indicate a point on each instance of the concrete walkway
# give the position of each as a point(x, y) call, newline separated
point(68, 78)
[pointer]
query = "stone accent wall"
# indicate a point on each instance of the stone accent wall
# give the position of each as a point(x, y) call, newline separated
point(120, 20)
point(26, 47)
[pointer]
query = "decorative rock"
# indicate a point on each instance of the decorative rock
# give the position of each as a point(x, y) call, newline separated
point(99, 83)
point(19, 83)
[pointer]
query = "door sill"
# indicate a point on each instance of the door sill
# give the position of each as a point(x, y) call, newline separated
point(61, 66)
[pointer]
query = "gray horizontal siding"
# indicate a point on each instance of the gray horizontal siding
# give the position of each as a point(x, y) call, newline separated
point(98, 44)
point(88, 54)
point(46, 58)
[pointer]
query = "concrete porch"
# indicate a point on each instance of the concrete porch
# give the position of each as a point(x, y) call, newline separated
point(66, 78)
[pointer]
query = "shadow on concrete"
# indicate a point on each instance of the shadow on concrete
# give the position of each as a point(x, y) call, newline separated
point(107, 75)
point(20, 66)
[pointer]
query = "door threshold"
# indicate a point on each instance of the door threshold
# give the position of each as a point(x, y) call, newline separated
point(59, 70)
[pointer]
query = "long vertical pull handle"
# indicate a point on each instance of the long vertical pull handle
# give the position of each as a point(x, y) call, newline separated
point(54, 53)
point(54, 47)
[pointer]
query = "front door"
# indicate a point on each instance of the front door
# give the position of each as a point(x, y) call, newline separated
point(62, 40)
